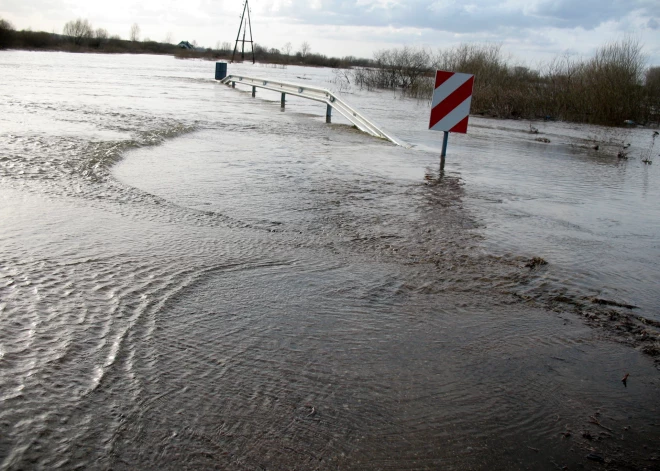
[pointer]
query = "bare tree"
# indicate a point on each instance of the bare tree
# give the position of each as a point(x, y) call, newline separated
point(194, 43)
point(4, 24)
point(6, 34)
point(652, 81)
point(99, 38)
point(287, 48)
point(305, 49)
point(134, 34)
point(78, 30)
point(226, 46)
point(101, 34)
point(168, 37)
point(652, 75)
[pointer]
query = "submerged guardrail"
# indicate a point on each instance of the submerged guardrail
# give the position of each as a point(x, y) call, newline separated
point(317, 94)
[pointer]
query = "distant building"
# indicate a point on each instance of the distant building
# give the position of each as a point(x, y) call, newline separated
point(185, 45)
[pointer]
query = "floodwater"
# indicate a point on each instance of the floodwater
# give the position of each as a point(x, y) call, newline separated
point(192, 279)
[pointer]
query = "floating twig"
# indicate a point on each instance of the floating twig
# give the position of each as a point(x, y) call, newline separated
point(594, 421)
point(607, 302)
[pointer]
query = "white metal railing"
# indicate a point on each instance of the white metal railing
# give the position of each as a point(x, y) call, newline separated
point(317, 94)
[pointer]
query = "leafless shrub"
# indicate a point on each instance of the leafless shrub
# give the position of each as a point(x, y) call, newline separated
point(6, 33)
point(647, 157)
point(406, 68)
point(101, 34)
point(652, 85)
point(606, 89)
point(652, 80)
point(492, 93)
point(79, 31)
point(341, 79)
point(612, 82)
point(305, 49)
point(134, 33)
point(99, 38)
point(6, 25)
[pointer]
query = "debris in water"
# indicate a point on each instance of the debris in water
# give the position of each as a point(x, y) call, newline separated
point(313, 410)
point(595, 457)
point(653, 350)
point(535, 262)
point(607, 302)
point(596, 147)
point(542, 139)
point(625, 379)
point(533, 130)
point(595, 421)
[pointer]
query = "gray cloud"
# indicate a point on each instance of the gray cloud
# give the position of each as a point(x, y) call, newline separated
point(46, 7)
point(587, 14)
point(464, 16)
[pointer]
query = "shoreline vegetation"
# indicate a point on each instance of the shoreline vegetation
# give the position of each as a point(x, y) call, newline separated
point(613, 88)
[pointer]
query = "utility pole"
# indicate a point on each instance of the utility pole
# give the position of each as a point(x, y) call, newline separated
point(245, 24)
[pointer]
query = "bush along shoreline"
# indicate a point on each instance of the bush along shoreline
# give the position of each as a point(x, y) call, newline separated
point(614, 87)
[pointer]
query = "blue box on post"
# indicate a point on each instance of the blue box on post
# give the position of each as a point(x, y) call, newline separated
point(220, 70)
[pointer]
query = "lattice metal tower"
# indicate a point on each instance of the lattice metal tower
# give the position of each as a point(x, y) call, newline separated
point(245, 25)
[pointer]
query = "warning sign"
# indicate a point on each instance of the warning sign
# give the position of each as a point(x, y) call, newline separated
point(452, 96)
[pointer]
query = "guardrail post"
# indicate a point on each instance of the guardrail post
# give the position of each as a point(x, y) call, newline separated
point(328, 114)
point(254, 91)
point(282, 101)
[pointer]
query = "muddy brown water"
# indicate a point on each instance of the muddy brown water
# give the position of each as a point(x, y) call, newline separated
point(191, 279)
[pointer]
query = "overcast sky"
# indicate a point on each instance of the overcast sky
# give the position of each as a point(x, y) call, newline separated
point(529, 30)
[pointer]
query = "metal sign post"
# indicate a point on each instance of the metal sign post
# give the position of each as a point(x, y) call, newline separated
point(445, 140)
point(450, 106)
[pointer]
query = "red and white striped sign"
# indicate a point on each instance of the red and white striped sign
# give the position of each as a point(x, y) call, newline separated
point(452, 96)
